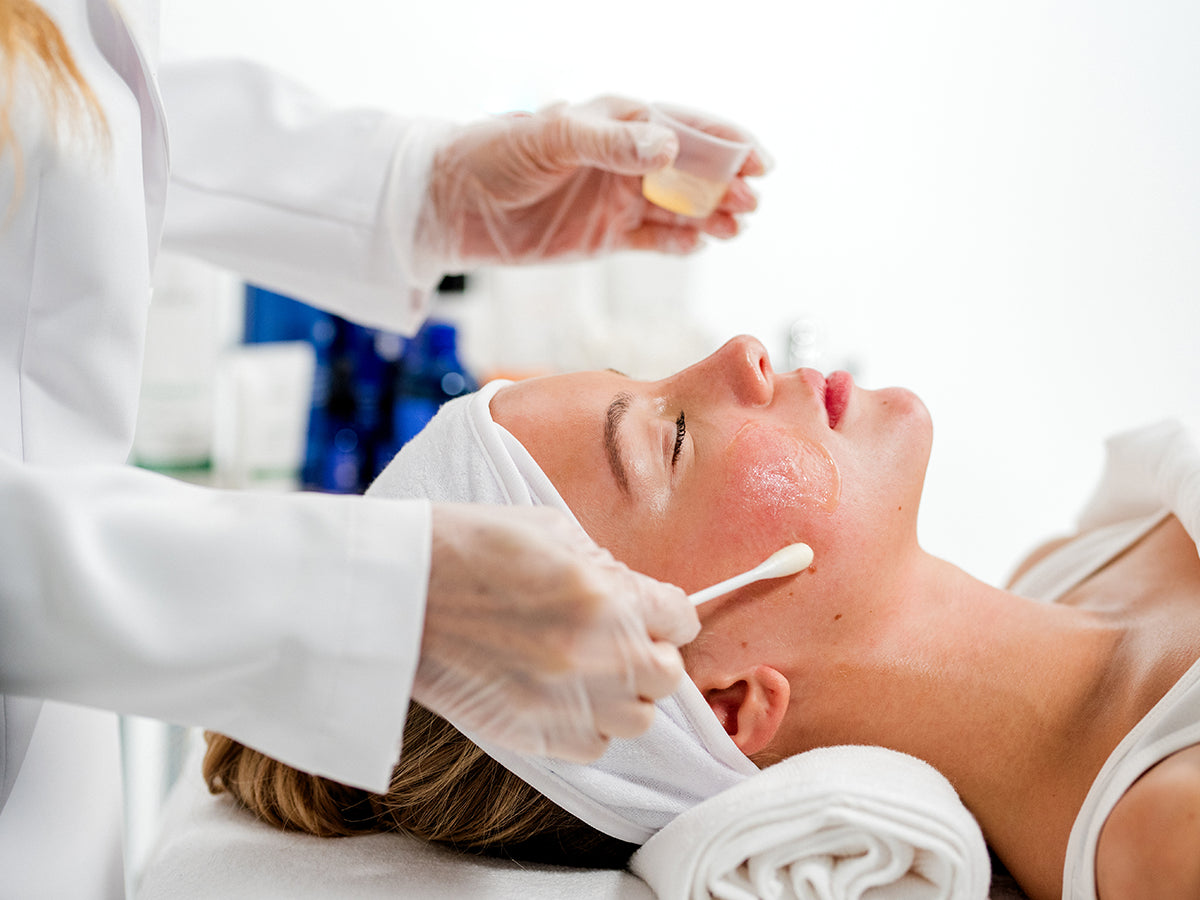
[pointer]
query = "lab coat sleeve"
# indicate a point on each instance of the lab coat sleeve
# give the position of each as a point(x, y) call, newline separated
point(290, 622)
point(316, 202)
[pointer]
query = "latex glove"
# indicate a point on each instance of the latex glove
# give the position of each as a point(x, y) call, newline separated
point(537, 639)
point(564, 183)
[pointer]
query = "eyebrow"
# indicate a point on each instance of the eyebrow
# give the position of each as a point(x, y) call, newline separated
point(612, 422)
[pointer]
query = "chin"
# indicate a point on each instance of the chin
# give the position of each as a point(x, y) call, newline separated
point(903, 402)
point(916, 443)
point(916, 416)
point(900, 418)
point(903, 442)
point(915, 426)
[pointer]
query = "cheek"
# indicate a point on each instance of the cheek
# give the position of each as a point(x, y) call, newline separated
point(771, 472)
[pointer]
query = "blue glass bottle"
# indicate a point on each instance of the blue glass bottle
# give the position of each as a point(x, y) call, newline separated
point(430, 373)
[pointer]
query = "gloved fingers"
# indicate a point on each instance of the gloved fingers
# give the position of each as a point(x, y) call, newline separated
point(561, 737)
point(721, 225)
point(611, 106)
point(729, 208)
point(623, 706)
point(667, 612)
point(674, 239)
point(538, 639)
point(624, 148)
point(579, 749)
point(759, 162)
point(625, 720)
point(628, 144)
point(658, 673)
point(739, 198)
point(563, 724)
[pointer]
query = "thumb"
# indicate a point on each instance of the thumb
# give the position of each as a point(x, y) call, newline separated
point(625, 148)
point(666, 611)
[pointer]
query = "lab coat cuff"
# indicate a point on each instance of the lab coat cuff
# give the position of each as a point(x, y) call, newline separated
point(405, 197)
point(389, 548)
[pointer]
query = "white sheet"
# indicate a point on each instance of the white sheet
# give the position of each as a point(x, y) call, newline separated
point(207, 849)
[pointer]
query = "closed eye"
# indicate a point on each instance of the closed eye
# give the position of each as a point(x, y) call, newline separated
point(680, 434)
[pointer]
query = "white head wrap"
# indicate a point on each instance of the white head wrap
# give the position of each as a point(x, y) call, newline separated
point(639, 784)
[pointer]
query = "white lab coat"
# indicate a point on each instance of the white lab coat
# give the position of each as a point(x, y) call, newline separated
point(290, 622)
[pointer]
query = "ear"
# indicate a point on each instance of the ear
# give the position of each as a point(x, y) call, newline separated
point(750, 706)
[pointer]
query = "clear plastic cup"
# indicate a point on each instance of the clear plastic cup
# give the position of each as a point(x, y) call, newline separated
point(695, 183)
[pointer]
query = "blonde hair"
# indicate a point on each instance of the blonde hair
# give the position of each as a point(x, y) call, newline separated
point(31, 46)
point(444, 789)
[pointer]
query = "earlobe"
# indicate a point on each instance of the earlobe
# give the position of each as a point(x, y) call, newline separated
point(750, 706)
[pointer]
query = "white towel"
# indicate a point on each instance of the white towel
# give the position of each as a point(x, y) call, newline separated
point(839, 823)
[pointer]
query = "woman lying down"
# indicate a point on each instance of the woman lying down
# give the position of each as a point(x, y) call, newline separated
point(1069, 723)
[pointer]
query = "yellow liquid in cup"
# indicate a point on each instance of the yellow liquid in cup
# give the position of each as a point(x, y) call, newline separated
point(682, 192)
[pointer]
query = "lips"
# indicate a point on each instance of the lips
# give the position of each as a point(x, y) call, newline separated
point(837, 396)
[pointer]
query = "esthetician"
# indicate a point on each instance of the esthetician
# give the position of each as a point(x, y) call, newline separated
point(298, 624)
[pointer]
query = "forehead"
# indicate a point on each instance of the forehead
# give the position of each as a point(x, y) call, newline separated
point(560, 419)
point(551, 398)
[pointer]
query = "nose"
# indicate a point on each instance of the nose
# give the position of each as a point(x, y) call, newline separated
point(743, 364)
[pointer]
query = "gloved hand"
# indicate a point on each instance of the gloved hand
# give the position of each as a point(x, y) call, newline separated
point(537, 639)
point(564, 183)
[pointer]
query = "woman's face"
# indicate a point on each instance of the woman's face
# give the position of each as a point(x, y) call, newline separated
point(700, 476)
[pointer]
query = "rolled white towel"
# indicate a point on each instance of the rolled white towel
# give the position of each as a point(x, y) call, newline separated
point(838, 823)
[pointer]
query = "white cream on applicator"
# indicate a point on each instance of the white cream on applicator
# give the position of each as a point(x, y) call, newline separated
point(791, 559)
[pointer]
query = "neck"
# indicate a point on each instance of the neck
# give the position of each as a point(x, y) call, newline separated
point(1013, 672)
point(991, 689)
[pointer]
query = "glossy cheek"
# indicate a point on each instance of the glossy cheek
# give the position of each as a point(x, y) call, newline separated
point(771, 471)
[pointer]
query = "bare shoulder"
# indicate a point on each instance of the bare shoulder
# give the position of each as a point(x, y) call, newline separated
point(1150, 845)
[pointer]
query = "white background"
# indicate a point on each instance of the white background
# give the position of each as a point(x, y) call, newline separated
point(997, 205)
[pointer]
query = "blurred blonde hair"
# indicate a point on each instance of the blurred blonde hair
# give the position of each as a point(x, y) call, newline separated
point(444, 789)
point(32, 47)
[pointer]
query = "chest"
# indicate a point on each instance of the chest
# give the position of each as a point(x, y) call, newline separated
point(1152, 590)
point(1149, 593)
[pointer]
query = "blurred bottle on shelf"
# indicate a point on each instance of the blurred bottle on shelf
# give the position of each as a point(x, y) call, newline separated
point(372, 389)
point(429, 373)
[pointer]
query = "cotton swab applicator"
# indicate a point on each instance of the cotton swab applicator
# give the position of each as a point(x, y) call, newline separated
point(791, 559)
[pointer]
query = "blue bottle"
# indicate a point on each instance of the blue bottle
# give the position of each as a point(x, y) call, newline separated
point(339, 462)
point(430, 373)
